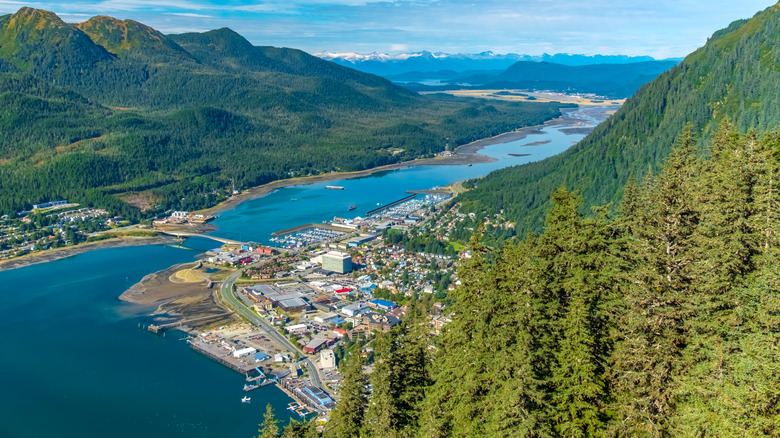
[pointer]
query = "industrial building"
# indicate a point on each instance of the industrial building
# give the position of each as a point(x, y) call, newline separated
point(337, 262)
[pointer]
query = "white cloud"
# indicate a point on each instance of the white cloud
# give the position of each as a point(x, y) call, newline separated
point(398, 47)
point(190, 15)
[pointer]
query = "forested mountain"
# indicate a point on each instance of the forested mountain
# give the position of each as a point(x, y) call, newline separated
point(614, 81)
point(734, 76)
point(109, 110)
point(660, 321)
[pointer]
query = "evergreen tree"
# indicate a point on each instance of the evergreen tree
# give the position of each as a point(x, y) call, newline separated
point(269, 428)
point(346, 420)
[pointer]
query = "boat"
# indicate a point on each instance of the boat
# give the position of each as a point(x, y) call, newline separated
point(469, 164)
point(334, 187)
point(245, 399)
point(352, 207)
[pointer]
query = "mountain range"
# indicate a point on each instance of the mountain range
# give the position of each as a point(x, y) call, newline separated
point(114, 113)
point(385, 64)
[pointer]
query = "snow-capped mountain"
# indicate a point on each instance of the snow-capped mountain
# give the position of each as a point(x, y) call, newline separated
point(384, 64)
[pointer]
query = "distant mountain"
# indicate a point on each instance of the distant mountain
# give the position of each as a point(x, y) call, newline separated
point(385, 65)
point(609, 80)
point(735, 76)
point(114, 113)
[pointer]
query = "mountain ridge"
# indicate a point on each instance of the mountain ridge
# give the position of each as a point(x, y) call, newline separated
point(733, 76)
point(174, 120)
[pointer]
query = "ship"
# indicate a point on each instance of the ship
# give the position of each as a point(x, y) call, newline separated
point(352, 207)
point(334, 187)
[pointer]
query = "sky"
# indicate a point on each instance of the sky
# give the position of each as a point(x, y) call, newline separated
point(659, 28)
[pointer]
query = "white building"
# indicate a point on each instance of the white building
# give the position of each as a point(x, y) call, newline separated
point(244, 352)
point(355, 309)
point(327, 359)
point(180, 214)
point(297, 328)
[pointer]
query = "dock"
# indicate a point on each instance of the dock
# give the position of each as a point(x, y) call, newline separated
point(324, 226)
point(390, 205)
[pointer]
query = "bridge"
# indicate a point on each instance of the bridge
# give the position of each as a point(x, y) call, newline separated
point(181, 234)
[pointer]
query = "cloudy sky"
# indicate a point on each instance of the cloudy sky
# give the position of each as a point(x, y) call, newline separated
point(660, 28)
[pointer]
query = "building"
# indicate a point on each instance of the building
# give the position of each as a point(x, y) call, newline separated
point(327, 359)
point(49, 204)
point(180, 214)
point(382, 305)
point(326, 318)
point(315, 345)
point(355, 309)
point(335, 261)
point(297, 328)
point(244, 352)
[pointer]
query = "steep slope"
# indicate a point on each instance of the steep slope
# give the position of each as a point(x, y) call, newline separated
point(40, 40)
point(735, 76)
point(131, 39)
point(176, 119)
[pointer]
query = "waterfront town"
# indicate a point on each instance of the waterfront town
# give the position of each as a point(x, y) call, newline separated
point(322, 296)
point(52, 225)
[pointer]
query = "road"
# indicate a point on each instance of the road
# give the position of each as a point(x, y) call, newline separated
point(229, 296)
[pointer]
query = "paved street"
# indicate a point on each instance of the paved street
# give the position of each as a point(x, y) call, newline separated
point(229, 296)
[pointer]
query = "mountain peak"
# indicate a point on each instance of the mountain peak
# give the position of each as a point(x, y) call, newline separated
point(126, 37)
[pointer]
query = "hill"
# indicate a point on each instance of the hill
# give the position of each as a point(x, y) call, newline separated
point(108, 110)
point(734, 76)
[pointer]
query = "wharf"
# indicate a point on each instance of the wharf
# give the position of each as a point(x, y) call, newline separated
point(390, 205)
point(324, 226)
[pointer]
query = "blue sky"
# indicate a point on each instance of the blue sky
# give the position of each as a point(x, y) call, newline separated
point(660, 28)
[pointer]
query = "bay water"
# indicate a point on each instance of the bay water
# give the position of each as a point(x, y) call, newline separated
point(74, 362)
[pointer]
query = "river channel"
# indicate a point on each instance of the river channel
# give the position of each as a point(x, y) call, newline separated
point(74, 362)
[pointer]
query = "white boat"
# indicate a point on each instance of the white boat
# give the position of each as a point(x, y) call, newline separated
point(245, 399)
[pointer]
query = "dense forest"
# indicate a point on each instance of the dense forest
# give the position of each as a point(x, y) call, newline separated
point(660, 320)
point(735, 76)
point(109, 111)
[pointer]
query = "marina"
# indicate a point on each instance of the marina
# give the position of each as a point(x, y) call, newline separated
point(308, 236)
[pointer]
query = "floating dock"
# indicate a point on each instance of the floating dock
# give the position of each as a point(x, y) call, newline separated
point(390, 205)
point(324, 226)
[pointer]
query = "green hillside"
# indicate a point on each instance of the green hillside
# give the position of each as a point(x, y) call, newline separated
point(735, 76)
point(109, 110)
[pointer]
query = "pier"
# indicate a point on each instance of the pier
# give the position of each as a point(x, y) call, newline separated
point(390, 205)
point(162, 327)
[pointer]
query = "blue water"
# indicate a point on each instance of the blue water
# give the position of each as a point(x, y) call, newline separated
point(288, 207)
point(75, 364)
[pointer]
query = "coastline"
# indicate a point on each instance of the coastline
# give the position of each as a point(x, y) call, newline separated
point(463, 155)
point(69, 251)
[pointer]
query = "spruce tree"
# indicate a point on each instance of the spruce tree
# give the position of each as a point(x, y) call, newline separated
point(269, 428)
point(346, 420)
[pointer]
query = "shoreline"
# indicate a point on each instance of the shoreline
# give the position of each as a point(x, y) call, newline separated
point(51, 255)
point(463, 155)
